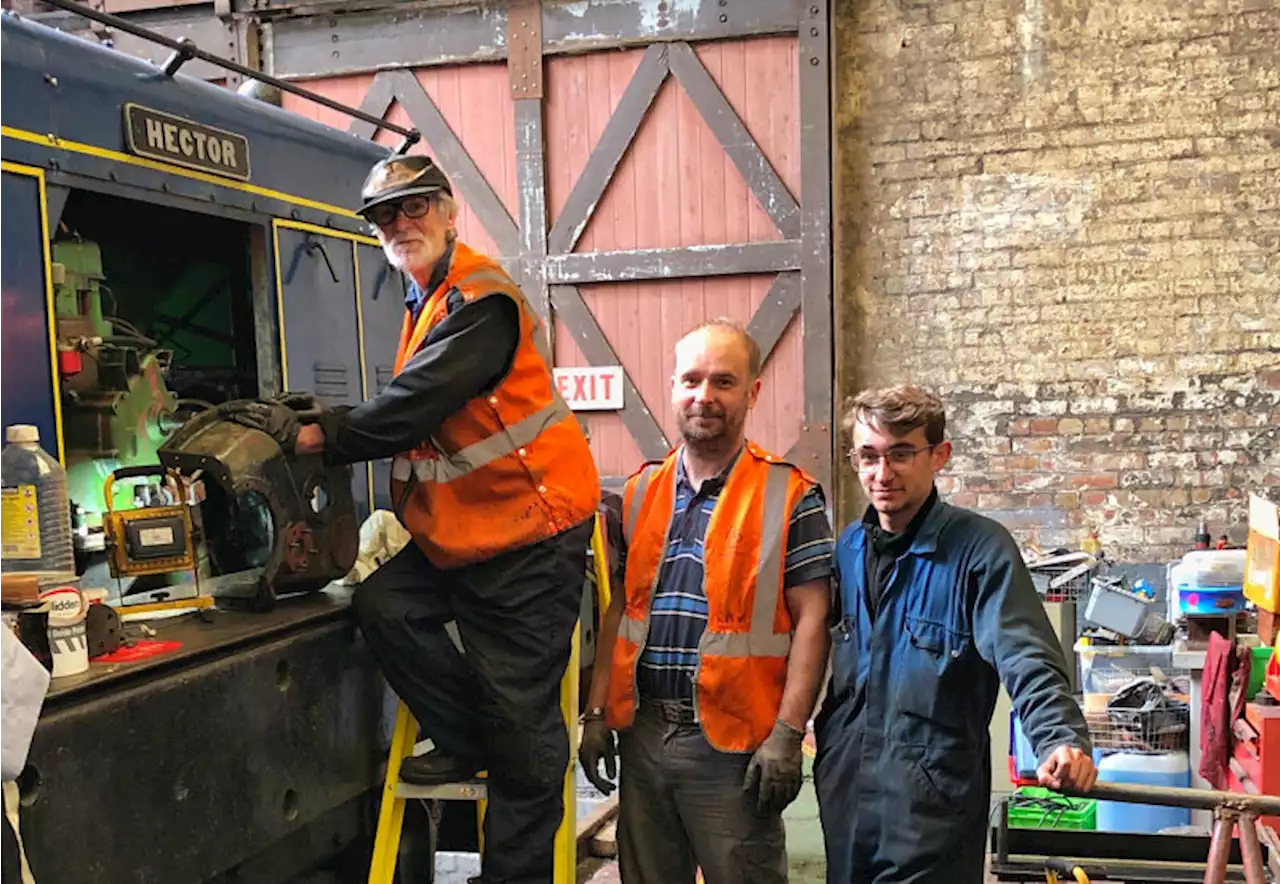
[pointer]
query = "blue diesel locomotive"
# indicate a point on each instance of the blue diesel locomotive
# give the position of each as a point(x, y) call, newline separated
point(169, 244)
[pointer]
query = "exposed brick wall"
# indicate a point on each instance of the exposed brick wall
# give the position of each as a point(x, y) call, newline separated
point(1065, 216)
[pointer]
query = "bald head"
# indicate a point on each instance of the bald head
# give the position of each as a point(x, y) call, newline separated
point(715, 384)
point(724, 331)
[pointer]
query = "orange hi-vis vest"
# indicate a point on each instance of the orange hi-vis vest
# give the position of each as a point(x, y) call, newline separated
point(509, 468)
point(742, 665)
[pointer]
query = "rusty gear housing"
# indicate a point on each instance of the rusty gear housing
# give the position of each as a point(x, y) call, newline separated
point(273, 523)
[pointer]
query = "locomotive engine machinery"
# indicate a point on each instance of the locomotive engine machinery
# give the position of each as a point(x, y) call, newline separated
point(116, 406)
point(279, 523)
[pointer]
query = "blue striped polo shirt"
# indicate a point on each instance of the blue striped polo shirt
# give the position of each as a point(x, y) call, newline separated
point(678, 616)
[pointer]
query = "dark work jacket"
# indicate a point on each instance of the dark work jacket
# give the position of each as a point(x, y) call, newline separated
point(903, 771)
point(466, 354)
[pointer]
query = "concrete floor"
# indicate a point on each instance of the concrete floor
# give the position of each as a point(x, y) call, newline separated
point(806, 859)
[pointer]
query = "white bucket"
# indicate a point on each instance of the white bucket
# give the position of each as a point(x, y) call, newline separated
point(68, 642)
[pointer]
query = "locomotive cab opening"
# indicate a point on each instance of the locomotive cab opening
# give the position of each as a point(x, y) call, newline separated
point(144, 285)
point(155, 324)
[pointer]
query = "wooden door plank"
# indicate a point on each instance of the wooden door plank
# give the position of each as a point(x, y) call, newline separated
point(686, 262)
point(733, 136)
point(590, 338)
point(775, 313)
point(604, 159)
point(453, 156)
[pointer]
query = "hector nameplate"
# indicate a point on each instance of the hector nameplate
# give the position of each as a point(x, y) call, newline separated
point(160, 136)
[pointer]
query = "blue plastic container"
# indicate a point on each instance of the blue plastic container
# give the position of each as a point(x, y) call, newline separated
point(1166, 769)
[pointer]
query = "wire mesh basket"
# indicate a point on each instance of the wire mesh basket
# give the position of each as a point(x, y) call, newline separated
point(1150, 717)
point(1062, 584)
point(1131, 730)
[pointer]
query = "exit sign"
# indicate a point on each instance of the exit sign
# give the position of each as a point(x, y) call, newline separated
point(591, 388)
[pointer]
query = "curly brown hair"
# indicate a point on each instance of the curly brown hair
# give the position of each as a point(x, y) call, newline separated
point(899, 410)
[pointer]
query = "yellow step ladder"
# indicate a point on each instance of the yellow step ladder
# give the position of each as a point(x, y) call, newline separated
point(386, 844)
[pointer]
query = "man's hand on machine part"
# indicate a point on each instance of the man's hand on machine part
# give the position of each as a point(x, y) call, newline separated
point(278, 421)
point(281, 418)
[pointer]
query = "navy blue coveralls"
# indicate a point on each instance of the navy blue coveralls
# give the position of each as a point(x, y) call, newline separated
point(903, 770)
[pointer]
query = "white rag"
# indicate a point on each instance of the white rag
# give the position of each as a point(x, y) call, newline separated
point(25, 683)
point(381, 537)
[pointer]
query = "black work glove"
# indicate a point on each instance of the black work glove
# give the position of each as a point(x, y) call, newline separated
point(307, 405)
point(776, 771)
point(597, 743)
point(277, 420)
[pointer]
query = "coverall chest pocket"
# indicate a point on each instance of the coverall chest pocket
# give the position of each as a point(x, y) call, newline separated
point(934, 682)
point(844, 655)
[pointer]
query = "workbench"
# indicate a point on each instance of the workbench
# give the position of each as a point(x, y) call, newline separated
point(252, 751)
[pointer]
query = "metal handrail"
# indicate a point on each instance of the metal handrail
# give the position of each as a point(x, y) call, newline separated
point(184, 50)
point(1197, 799)
point(1231, 810)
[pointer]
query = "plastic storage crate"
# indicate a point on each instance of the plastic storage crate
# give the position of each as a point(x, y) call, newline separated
point(1120, 610)
point(1262, 558)
point(1032, 807)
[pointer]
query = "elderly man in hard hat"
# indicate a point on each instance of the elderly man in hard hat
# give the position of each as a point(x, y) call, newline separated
point(494, 480)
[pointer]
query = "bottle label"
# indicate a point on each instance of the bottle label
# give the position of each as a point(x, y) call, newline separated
point(19, 523)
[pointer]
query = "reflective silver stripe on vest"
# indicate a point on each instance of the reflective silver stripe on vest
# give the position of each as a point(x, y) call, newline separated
point(401, 467)
point(634, 631)
point(638, 630)
point(632, 515)
point(761, 640)
point(447, 468)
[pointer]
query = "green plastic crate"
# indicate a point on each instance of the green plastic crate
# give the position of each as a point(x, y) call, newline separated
point(1051, 811)
point(1258, 670)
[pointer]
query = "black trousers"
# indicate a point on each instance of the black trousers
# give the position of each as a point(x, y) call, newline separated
point(499, 704)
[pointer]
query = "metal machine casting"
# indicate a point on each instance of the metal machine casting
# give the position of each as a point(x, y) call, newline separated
point(115, 404)
point(272, 523)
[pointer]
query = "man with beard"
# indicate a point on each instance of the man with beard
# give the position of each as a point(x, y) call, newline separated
point(936, 610)
point(709, 657)
point(495, 483)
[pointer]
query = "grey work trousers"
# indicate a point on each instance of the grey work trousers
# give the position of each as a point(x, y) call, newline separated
point(681, 806)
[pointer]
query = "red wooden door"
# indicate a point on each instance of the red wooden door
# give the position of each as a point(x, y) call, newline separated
point(635, 193)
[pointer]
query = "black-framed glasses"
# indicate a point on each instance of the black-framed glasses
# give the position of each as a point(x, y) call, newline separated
point(384, 214)
point(868, 459)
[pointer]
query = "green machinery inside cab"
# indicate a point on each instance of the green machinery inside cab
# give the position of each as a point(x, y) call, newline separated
point(116, 408)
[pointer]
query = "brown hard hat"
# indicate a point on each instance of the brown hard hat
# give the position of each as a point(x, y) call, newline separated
point(397, 177)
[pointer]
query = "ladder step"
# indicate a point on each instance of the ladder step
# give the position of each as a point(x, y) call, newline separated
point(467, 790)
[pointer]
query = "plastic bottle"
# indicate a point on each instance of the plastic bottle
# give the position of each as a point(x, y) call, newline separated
point(35, 528)
point(1201, 540)
point(1091, 544)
